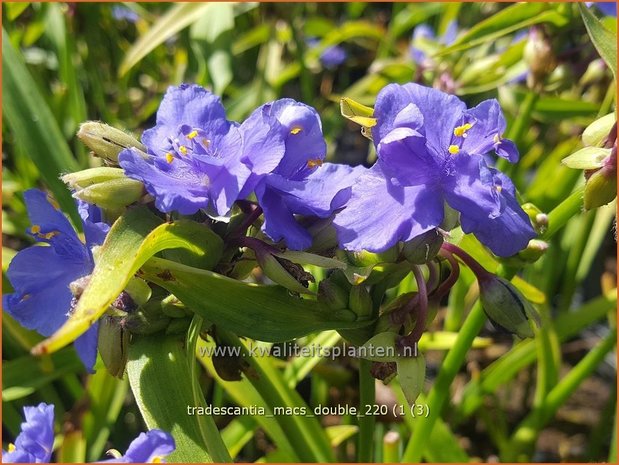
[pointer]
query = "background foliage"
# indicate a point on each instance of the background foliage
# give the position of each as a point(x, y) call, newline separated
point(545, 399)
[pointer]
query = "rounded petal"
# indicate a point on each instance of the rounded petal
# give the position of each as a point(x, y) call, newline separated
point(187, 104)
point(404, 156)
point(469, 187)
point(440, 112)
point(263, 141)
point(302, 133)
point(279, 221)
point(46, 217)
point(41, 278)
point(507, 233)
point(325, 190)
point(147, 448)
point(380, 213)
point(488, 125)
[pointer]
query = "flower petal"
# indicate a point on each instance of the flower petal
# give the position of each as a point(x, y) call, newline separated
point(507, 233)
point(36, 440)
point(86, 347)
point(175, 189)
point(279, 221)
point(41, 278)
point(469, 187)
point(381, 213)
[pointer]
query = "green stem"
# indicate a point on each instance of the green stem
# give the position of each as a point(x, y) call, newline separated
point(366, 422)
point(562, 213)
point(521, 124)
point(440, 391)
point(210, 433)
point(391, 447)
point(526, 433)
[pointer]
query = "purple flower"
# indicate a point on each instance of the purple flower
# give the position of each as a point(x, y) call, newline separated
point(197, 158)
point(301, 184)
point(424, 32)
point(331, 57)
point(122, 13)
point(608, 8)
point(41, 276)
point(149, 447)
point(36, 439)
point(431, 151)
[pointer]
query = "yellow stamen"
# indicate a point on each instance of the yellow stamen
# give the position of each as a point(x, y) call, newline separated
point(182, 149)
point(453, 149)
point(11, 447)
point(206, 142)
point(35, 229)
point(498, 188)
point(157, 459)
point(23, 299)
point(296, 130)
point(48, 235)
point(460, 131)
point(497, 138)
point(314, 162)
point(169, 157)
point(192, 134)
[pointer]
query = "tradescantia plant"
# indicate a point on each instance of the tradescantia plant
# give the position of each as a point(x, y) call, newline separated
point(174, 225)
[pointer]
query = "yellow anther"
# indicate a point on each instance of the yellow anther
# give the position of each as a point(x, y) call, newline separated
point(314, 162)
point(35, 229)
point(48, 235)
point(157, 459)
point(182, 149)
point(498, 188)
point(206, 142)
point(169, 157)
point(192, 134)
point(460, 131)
point(23, 299)
point(296, 130)
point(11, 447)
point(453, 149)
point(496, 138)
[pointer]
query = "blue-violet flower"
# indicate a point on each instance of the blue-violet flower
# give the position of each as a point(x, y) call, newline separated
point(431, 151)
point(41, 275)
point(35, 441)
point(197, 159)
point(150, 447)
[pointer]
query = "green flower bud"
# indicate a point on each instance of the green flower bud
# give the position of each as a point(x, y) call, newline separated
point(106, 141)
point(146, 321)
point(423, 248)
point(113, 194)
point(539, 56)
point(360, 301)
point(598, 131)
point(505, 306)
point(284, 272)
point(601, 188)
point(588, 158)
point(534, 250)
point(88, 177)
point(365, 258)
point(113, 345)
point(596, 72)
point(333, 296)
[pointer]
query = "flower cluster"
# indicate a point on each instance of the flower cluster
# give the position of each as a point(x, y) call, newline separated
point(432, 152)
point(35, 442)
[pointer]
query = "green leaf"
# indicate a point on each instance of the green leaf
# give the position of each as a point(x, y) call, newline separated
point(34, 127)
point(510, 19)
point(411, 374)
point(24, 375)
point(266, 313)
point(339, 433)
point(604, 40)
point(160, 379)
point(357, 113)
point(133, 239)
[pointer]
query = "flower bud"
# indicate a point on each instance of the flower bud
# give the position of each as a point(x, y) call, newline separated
point(601, 188)
point(423, 248)
point(113, 345)
point(284, 272)
point(106, 141)
point(365, 258)
point(539, 56)
point(588, 158)
point(88, 177)
point(145, 321)
point(596, 72)
point(412, 375)
point(534, 250)
point(112, 194)
point(360, 301)
point(598, 131)
point(333, 296)
point(505, 306)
